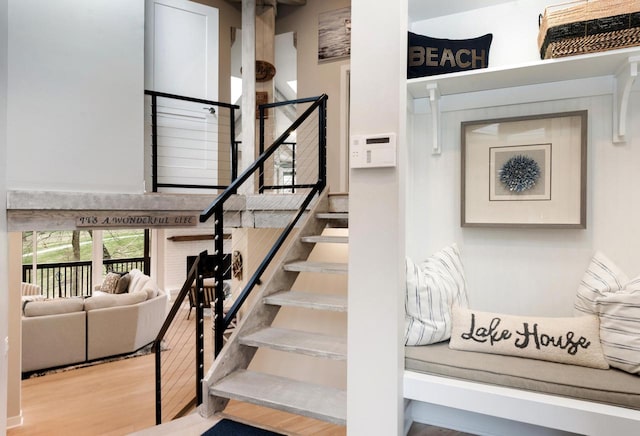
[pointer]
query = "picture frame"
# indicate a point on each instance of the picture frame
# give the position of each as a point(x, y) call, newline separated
point(334, 34)
point(528, 171)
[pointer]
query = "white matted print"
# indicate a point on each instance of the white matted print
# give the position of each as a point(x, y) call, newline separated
point(550, 148)
point(520, 172)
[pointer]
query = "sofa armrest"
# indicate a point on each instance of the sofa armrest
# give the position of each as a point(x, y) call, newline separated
point(53, 340)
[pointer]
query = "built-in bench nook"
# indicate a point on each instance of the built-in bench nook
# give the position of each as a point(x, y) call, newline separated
point(488, 389)
point(575, 374)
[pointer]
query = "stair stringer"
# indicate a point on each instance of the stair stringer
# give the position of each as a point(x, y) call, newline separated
point(233, 355)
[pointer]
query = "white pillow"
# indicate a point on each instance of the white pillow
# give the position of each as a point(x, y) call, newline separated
point(432, 288)
point(620, 329)
point(606, 291)
point(601, 277)
point(573, 340)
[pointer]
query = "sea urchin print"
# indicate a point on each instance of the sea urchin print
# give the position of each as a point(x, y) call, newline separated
point(519, 174)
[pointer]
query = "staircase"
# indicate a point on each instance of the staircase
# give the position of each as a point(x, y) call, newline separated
point(241, 371)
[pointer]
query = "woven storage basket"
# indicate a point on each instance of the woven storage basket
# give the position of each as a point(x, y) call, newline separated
point(588, 26)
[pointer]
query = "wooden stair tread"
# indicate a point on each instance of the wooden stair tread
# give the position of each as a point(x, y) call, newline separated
point(296, 341)
point(308, 300)
point(333, 215)
point(319, 402)
point(326, 239)
point(321, 267)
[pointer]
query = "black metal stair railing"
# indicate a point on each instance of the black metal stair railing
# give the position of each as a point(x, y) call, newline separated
point(187, 128)
point(175, 376)
point(222, 319)
point(173, 349)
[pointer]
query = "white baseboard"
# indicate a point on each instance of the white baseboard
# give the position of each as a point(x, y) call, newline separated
point(15, 421)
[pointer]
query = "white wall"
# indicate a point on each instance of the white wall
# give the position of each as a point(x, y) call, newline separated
point(75, 108)
point(4, 266)
point(376, 223)
point(526, 271)
point(514, 26)
point(175, 261)
point(316, 78)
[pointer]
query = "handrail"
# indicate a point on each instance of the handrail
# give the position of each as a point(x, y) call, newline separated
point(233, 188)
point(222, 321)
point(255, 279)
point(192, 275)
point(289, 102)
point(154, 139)
point(191, 99)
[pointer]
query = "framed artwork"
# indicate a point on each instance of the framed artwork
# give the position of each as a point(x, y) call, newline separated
point(525, 171)
point(334, 34)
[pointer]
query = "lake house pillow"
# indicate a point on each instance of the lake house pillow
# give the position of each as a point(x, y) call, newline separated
point(432, 287)
point(572, 340)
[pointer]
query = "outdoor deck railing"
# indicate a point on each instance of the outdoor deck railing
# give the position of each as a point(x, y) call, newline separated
point(74, 279)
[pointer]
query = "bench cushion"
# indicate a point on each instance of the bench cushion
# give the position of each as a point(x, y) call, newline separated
point(609, 386)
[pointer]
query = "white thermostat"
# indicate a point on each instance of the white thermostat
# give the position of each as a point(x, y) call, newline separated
point(373, 151)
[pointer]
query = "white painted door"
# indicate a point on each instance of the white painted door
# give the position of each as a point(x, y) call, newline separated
point(181, 58)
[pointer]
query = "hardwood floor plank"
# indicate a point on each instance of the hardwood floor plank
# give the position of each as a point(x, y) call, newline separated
point(118, 398)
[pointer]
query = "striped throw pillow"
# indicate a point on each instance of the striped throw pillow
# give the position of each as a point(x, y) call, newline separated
point(601, 278)
point(620, 329)
point(606, 291)
point(432, 287)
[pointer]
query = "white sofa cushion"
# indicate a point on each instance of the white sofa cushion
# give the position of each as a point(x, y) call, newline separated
point(53, 307)
point(53, 340)
point(102, 300)
point(142, 282)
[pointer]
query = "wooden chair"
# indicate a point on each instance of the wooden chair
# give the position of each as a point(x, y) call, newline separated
point(208, 272)
point(208, 295)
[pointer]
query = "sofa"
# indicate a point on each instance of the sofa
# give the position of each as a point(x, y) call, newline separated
point(73, 330)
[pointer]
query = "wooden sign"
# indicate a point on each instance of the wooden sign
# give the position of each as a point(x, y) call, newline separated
point(264, 71)
point(138, 221)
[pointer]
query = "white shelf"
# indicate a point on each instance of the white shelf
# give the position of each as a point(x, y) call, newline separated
point(621, 64)
point(534, 73)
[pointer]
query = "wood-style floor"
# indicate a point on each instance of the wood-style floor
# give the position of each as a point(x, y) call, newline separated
point(118, 398)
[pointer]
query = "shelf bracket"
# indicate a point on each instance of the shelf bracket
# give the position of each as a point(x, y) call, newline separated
point(624, 80)
point(434, 101)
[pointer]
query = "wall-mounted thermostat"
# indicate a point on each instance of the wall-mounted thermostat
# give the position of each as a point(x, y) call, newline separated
point(373, 151)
